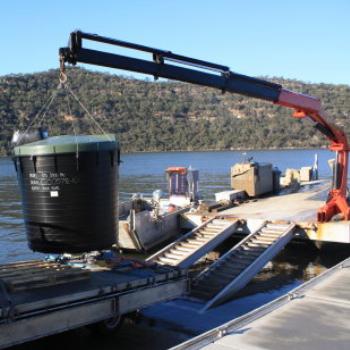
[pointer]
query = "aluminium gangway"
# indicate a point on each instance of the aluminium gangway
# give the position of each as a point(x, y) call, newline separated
point(192, 246)
point(239, 265)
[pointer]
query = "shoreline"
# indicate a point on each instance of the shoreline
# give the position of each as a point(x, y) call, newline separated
point(234, 150)
point(217, 150)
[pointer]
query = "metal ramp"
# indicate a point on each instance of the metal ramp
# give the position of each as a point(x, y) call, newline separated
point(192, 246)
point(239, 265)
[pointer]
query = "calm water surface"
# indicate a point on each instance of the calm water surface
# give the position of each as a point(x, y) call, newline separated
point(143, 172)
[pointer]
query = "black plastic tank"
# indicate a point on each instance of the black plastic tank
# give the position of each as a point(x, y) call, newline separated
point(69, 192)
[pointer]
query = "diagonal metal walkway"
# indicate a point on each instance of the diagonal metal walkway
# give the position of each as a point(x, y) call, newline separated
point(239, 265)
point(192, 246)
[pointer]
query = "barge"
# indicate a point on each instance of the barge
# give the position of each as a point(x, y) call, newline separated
point(41, 298)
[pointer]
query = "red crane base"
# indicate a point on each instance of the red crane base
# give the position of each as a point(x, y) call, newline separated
point(336, 204)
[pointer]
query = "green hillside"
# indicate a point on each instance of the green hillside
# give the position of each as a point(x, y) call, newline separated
point(162, 116)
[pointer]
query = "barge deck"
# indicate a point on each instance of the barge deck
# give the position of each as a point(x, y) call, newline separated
point(297, 207)
point(300, 208)
point(34, 311)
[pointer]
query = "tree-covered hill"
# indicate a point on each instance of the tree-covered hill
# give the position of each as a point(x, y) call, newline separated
point(161, 116)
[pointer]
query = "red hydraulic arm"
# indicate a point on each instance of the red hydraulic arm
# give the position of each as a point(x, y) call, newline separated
point(220, 77)
point(309, 106)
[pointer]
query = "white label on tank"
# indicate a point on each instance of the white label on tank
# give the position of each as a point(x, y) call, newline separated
point(54, 193)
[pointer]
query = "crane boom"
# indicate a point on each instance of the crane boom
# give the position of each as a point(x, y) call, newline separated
point(209, 74)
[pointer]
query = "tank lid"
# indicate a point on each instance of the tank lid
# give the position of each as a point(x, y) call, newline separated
point(68, 144)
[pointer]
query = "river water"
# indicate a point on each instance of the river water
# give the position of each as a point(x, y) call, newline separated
point(143, 173)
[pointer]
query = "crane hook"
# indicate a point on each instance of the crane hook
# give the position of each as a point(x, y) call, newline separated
point(63, 76)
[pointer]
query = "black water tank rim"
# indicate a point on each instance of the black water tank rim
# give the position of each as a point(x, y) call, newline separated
point(68, 144)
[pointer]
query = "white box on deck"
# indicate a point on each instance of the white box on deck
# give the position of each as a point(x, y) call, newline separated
point(230, 195)
point(254, 178)
point(306, 173)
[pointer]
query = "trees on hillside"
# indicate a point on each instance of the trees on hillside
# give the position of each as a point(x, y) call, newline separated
point(150, 116)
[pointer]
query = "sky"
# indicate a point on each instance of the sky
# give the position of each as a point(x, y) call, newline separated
point(306, 40)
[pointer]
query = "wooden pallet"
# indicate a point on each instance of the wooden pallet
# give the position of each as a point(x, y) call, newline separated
point(38, 274)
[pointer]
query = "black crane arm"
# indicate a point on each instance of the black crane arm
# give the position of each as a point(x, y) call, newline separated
point(207, 73)
point(210, 74)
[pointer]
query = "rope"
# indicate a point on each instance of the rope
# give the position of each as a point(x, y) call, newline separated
point(63, 84)
point(86, 111)
point(44, 109)
point(63, 81)
point(74, 130)
point(49, 105)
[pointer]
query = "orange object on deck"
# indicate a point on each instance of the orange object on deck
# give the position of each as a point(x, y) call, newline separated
point(177, 170)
